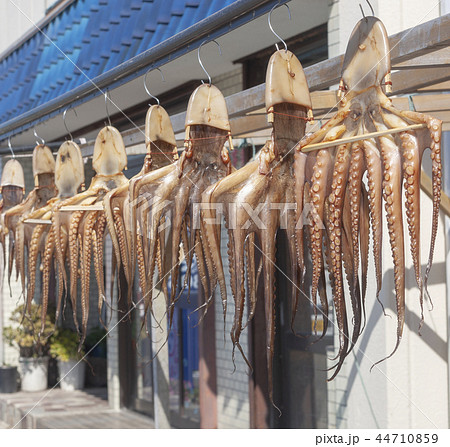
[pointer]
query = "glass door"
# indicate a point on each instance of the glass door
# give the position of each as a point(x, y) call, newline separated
point(184, 355)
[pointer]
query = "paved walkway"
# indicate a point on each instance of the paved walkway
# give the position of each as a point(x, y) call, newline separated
point(65, 409)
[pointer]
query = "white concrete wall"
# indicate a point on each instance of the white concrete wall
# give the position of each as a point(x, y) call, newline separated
point(396, 16)
point(232, 384)
point(233, 406)
point(9, 300)
point(409, 390)
point(112, 340)
point(17, 17)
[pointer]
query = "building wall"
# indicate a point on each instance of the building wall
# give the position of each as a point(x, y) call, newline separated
point(232, 378)
point(17, 17)
point(409, 390)
point(396, 16)
point(11, 293)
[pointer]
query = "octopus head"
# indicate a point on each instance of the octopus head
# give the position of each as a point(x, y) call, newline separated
point(43, 166)
point(69, 169)
point(110, 156)
point(366, 61)
point(12, 186)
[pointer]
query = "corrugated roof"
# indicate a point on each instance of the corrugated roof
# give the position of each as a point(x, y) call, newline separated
point(96, 35)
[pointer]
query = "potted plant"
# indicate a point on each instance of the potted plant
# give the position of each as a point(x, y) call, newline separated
point(8, 379)
point(64, 346)
point(25, 334)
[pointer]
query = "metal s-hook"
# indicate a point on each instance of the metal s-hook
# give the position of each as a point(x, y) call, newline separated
point(106, 105)
point(362, 10)
point(10, 147)
point(37, 136)
point(65, 124)
point(145, 83)
point(200, 61)
point(269, 19)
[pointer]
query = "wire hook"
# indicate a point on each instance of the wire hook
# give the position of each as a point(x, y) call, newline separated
point(10, 147)
point(200, 61)
point(106, 106)
point(269, 19)
point(145, 83)
point(37, 136)
point(65, 124)
point(362, 10)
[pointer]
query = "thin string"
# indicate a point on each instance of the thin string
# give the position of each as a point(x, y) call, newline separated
point(304, 118)
point(205, 138)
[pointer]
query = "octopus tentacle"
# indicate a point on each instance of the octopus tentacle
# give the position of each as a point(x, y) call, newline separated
point(374, 178)
point(268, 249)
point(122, 255)
point(355, 179)
point(334, 225)
point(364, 244)
point(211, 233)
point(392, 194)
point(32, 262)
point(98, 239)
point(63, 248)
point(113, 227)
point(348, 253)
point(20, 255)
point(86, 271)
point(141, 265)
point(203, 274)
point(239, 283)
point(73, 261)
point(434, 126)
point(411, 176)
point(251, 271)
point(318, 190)
point(299, 183)
point(11, 251)
point(177, 221)
point(48, 253)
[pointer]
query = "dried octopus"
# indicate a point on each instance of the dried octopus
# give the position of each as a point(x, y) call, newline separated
point(172, 193)
point(338, 193)
point(161, 150)
point(69, 176)
point(44, 190)
point(12, 189)
point(258, 199)
point(80, 231)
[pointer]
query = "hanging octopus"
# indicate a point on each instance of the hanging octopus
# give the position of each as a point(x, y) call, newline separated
point(258, 200)
point(161, 150)
point(338, 193)
point(12, 189)
point(69, 176)
point(173, 192)
point(44, 190)
point(78, 231)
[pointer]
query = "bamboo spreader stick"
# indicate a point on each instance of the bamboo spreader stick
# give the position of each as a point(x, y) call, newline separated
point(366, 136)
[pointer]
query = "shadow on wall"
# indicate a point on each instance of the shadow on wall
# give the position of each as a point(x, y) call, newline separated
point(412, 322)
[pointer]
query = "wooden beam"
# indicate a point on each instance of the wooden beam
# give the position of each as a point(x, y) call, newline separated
point(430, 37)
point(436, 59)
point(412, 80)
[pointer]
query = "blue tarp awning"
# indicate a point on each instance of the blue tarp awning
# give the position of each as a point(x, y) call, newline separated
point(96, 35)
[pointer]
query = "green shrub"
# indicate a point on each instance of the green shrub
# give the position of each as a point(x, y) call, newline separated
point(64, 345)
point(25, 332)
